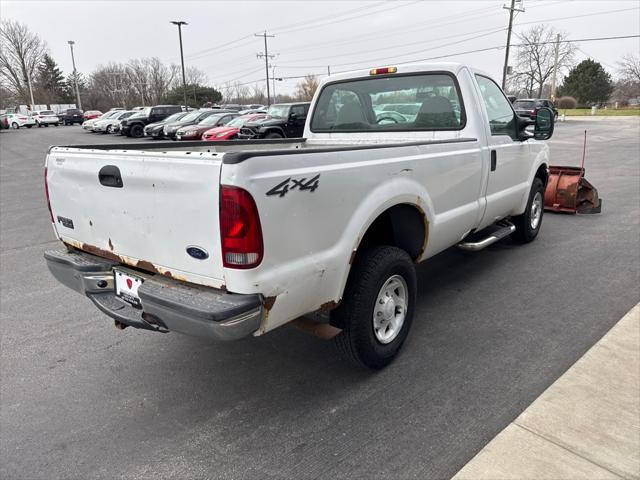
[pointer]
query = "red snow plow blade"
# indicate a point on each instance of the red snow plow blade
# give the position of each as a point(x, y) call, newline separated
point(568, 191)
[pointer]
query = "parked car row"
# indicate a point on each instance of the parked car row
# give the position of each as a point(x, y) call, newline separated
point(175, 122)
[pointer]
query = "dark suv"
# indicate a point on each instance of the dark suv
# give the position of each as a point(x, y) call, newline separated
point(284, 120)
point(71, 116)
point(528, 107)
point(134, 125)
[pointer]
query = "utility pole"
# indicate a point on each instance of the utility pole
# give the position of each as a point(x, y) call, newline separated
point(506, 53)
point(555, 69)
point(75, 74)
point(266, 61)
point(273, 79)
point(180, 23)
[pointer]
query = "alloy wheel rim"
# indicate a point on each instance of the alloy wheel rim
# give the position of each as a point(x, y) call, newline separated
point(390, 309)
point(536, 211)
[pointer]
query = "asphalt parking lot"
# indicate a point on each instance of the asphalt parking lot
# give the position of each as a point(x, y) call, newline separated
point(80, 399)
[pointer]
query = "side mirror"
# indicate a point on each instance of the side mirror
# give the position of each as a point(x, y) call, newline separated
point(544, 125)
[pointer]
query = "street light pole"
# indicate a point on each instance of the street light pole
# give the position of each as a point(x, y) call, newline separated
point(179, 23)
point(75, 74)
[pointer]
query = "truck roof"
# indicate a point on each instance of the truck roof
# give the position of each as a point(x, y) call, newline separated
point(452, 67)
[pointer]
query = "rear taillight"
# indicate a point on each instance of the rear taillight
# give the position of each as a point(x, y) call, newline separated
point(240, 229)
point(46, 193)
point(533, 113)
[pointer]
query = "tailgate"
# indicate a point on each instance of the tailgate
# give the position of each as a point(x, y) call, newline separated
point(165, 203)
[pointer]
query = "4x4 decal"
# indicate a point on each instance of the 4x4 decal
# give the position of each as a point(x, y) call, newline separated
point(301, 184)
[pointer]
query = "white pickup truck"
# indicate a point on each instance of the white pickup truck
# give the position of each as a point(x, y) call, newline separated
point(235, 238)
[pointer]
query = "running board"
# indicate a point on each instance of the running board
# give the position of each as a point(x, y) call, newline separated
point(505, 229)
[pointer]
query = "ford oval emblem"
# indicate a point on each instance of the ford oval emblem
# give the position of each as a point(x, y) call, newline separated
point(197, 253)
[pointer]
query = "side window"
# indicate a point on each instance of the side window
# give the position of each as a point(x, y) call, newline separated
point(501, 115)
point(298, 111)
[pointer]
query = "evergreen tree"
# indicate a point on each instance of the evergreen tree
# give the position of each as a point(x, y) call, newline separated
point(588, 82)
point(50, 81)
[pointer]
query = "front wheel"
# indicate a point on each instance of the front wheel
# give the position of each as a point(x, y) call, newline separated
point(15, 125)
point(528, 224)
point(377, 308)
point(109, 129)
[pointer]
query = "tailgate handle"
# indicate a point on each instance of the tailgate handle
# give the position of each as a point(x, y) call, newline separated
point(109, 176)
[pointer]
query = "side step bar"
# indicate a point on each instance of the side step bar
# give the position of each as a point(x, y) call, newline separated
point(504, 229)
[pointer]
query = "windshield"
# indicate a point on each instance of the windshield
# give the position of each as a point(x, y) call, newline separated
point(240, 121)
point(281, 111)
point(211, 119)
point(427, 102)
point(175, 117)
point(524, 104)
point(124, 115)
point(191, 117)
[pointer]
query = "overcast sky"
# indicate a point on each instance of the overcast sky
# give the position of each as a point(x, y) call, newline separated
point(313, 34)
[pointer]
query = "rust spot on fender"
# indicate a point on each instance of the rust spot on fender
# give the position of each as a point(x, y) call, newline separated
point(145, 265)
point(110, 245)
point(268, 302)
point(99, 252)
point(328, 306)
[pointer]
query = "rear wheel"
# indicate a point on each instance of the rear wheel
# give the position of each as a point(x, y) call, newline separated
point(528, 224)
point(377, 308)
point(273, 135)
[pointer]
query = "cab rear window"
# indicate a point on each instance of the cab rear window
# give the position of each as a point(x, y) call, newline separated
point(390, 103)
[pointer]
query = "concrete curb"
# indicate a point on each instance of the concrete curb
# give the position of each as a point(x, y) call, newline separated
point(585, 425)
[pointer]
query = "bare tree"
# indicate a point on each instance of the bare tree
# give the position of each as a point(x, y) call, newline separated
point(306, 88)
point(193, 76)
point(21, 52)
point(629, 68)
point(627, 86)
point(535, 60)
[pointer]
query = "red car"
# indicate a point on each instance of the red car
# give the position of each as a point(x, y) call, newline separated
point(231, 129)
point(89, 114)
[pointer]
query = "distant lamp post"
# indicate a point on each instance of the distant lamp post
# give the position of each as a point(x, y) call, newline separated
point(179, 23)
point(75, 74)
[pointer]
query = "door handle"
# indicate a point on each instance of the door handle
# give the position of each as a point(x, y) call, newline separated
point(494, 160)
point(109, 176)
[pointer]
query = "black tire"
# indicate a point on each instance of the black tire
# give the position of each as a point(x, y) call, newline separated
point(373, 268)
point(38, 124)
point(56, 124)
point(109, 129)
point(136, 131)
point(15, 125)
point(273, 135)
point(28, 126)
point(46, 125)
point(525, 232)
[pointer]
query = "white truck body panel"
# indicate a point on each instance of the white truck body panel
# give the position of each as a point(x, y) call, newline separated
point(166, 199)
point(170, 200)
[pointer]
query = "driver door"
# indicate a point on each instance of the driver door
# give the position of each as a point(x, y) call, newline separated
point(508, 157)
